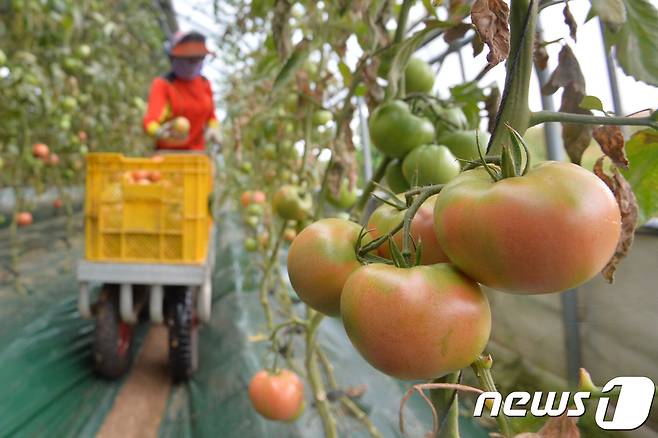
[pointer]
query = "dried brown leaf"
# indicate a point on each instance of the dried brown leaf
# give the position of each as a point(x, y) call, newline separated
point(629, 215)
point(570, 21)
point(611, 140)
point(560, 427)
point(540, 54)
point(567, 73)
point(491, 19)
point(456, 32)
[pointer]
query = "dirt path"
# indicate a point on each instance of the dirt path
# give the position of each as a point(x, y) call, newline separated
point(139, 406)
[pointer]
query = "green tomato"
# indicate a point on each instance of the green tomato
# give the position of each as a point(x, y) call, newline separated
point(255, 210)
point(463, 145)
point(291, 204)
point(290, 103)
point(395, 178)
point(430, 164)
point(3, 58)
point(269, 151)
point(252, 221)
point(346, 198)
point(449, 119)
point(84, 51)
point(418, 76)
point(322, 117)
point(246, 167)
point(396, 131)
point(250, 244)
point(69, 103)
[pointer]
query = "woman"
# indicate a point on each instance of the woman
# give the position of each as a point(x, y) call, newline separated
point(180, 107)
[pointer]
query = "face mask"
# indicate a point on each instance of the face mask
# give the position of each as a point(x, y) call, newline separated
point(186, 70)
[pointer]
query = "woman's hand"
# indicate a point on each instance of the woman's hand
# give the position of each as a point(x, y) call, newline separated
point(174, 132)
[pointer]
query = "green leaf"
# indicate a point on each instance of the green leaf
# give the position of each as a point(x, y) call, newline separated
point(591, 103)
point(609, 11)
point(294, 63)
point(642, 173)
point(636, 40)
point(345, 72)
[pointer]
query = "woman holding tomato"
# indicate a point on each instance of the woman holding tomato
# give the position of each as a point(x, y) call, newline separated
point(181, 110)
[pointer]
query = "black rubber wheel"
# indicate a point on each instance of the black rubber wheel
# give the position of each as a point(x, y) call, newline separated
point(183, 333)
point(113, 338)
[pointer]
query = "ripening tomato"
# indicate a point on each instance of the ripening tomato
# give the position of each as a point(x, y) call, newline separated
point(57, 203)
point(277, 396)
point(140, 175)
point(154, 176)
point(40, 150)
point(53, 159)
point(245, 198)
point(320, 259)
point(289, 235)
point(387, 217)
point(23, 218)
point(417, 323)
point(548, 231)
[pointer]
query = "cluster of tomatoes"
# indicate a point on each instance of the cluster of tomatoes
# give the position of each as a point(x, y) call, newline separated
point(548, 229)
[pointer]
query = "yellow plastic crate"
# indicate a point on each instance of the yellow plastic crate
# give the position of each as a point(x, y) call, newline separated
point(147, 210)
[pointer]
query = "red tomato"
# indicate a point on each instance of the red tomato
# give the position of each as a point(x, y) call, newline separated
point(319, 261)
point(277, 396)
point(53, 159)
point(24, 218)
point(58, 203)
point(82, 135)
point(548, 231)
point(40, 150)
point(417, 323)
point(258, 197)
point(154, 176)
point(140, 175)
point(245, 198)
point(387, 217)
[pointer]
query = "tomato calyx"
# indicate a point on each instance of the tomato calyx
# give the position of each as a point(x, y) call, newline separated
point(509, 163)
point(402, 258)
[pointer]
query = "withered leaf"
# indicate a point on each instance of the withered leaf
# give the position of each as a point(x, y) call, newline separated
point(567, 73)
point(540, 54)
point(570, 21)
point(629, 215)
point(611, 140)
point(556, 427)
point(491, 19)
point(456, 32)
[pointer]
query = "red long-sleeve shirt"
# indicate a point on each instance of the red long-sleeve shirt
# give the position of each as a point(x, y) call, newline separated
point(171, 97)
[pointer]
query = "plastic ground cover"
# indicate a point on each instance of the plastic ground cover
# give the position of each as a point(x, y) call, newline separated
point(49, 387)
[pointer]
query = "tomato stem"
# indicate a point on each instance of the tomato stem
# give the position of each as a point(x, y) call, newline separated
point(315, 377)
point(482, 369)
point(264, 300)
point(378, 175)
point(552, 116)
point(424, 194)
point(446, 404)
point(514, 107)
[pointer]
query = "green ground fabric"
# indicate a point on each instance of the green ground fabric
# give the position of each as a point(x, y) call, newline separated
point(46, 371)
point(46, 374)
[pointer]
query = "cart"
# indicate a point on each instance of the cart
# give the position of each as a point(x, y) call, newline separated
point(148, 246)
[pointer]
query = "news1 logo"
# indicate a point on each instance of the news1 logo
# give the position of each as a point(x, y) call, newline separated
point(634, 402)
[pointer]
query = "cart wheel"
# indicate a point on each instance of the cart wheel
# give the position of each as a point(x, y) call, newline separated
point(183, 333)
point(113, 338)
